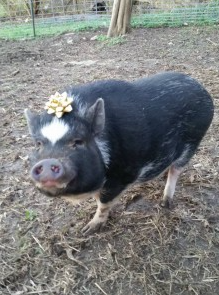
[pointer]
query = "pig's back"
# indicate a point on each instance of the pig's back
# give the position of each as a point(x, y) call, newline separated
point(151, 118)
point(168, 92)
point(177, 100)
point(160, 102)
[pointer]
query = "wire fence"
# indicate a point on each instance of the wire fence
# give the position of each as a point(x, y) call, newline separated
point(56, 16)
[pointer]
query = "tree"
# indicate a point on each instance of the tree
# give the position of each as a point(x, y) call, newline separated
point(121, 17)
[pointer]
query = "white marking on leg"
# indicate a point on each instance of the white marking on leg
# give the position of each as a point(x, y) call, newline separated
point(55, 130)
point(101, 215)
point(172, 178)
point(102, 212)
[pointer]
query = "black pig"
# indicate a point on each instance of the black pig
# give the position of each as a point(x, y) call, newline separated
point(119, 133)
point(99, 6)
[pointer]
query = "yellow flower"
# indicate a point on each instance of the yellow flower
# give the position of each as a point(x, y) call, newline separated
point(58, 104)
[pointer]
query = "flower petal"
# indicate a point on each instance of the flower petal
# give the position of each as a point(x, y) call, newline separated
point(50, 111)
point(64, 95)
point(59, 109)
point(59, 114)
point(68, 109)
point(54, 104)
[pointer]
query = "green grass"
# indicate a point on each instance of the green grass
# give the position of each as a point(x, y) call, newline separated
point(179, 17)
point(111, 41)
point(203, 15)
point(25, 30)
point(30, 215)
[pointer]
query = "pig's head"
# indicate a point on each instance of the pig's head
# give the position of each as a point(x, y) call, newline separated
point(69, 157)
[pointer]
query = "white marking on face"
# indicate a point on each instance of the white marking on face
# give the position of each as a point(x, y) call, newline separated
point(104, 150)
point(55, 130)
point(51, 190)
point(57, 185)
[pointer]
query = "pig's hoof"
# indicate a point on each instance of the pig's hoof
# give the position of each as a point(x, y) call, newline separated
point(167, 203)
point(92, 227)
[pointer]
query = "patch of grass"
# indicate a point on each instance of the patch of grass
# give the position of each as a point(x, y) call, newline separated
point(30, 215)
point(25, 30)
point(102, 38)
point(116, 40)
point(111, 41)
point(178, 17)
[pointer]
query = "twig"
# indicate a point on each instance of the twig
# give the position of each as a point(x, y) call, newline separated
point(209, 40)
point(38, 242)
point(100, 289)
point(70, 256)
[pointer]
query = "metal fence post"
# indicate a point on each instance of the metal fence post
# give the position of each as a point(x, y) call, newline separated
point(33, 18)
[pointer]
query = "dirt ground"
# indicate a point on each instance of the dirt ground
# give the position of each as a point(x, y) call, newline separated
point(144, 249)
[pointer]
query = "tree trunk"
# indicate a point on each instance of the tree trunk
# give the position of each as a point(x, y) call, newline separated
point(37, 7)
point(121, 17)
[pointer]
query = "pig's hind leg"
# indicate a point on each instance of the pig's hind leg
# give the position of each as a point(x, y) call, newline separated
point(173, 175)
point(174, 172)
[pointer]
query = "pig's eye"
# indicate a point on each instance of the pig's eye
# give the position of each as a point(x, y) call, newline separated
point(77, 142)
point(38, 144)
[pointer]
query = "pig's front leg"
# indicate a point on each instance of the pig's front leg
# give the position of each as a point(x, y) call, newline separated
point(106, 199)
point(100, 217)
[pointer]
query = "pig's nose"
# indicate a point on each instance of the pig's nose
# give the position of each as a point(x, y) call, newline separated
point(47, 170)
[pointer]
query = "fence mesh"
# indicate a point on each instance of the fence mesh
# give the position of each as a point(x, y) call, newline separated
point(56, 16)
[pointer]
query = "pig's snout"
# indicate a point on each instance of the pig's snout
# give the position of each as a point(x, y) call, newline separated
point(48, 171)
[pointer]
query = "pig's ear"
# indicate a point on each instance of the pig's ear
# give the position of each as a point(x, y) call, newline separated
point(96, 116)
point(32, 120)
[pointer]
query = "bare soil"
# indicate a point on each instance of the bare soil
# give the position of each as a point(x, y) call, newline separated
point(144, 249)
